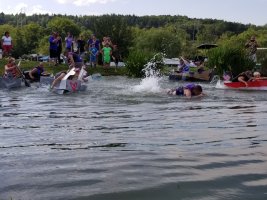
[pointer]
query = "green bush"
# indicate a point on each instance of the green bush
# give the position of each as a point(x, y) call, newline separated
point(229, 58)
point(136, 62)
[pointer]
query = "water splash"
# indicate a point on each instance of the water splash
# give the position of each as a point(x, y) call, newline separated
point(151, 82)
point(220, 85)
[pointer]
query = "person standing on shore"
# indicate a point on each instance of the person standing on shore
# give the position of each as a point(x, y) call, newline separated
point(81, 46)
point(94, 42)
point(106, 52)
point(69, 42)
point(252, 46)
point(6, 44)
point(59, 47)
point(53, 47)
point(116, 55)
point(93, 55)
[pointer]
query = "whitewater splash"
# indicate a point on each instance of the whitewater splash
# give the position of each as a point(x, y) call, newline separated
point(151, 82)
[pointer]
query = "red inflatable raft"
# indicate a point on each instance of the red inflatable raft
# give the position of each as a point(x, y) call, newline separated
point(252, 85)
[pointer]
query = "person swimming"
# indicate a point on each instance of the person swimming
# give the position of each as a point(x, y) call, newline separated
point(188, 90)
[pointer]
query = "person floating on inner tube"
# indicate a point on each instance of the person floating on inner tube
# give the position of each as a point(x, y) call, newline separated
point(188, 90)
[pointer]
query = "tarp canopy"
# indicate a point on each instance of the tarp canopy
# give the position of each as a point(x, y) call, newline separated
point(207, 46)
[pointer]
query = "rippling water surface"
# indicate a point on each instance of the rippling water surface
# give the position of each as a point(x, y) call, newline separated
point(126, 139)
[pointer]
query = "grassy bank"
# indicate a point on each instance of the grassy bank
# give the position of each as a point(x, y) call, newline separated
point(28, 65)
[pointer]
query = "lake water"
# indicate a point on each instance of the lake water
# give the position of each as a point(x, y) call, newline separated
point(126, 139)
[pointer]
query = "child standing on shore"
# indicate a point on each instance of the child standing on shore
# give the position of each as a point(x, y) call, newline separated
point(107, 52)
point(93, 55)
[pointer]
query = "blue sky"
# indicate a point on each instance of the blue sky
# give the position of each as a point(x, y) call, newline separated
point(244, 11)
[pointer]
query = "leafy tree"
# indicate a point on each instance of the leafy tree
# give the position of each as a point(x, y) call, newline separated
point(63, 26)
point(6, 27)
point(32, 33)
point(207, 34)
point(19, 48)
point(43, 47)
point(116, 28)
point(86, 34)
point(159, 40)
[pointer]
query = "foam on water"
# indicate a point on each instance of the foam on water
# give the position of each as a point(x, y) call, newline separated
point(151, 82)
point(148, 85)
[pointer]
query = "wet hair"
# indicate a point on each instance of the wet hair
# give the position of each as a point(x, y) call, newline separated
point(249, 73)
point(197, 90)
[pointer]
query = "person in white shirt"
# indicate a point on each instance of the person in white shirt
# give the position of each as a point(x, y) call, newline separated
point(6, 44)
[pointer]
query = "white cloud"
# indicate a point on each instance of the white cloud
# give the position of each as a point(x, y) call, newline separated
point(10, 9)
point(30, 10)
point(84, 2)
point(20, 8)
point(37, 9)
point(24, 8)
point(63, 1)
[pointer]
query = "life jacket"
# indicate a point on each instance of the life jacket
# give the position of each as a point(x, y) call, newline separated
point(180, 91)
point(40, 70)
point(186, 68)
point(38, 73)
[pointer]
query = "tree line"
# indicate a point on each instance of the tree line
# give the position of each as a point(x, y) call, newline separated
point(171, 35)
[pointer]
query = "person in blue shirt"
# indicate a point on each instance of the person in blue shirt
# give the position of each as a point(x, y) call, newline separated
point(93, 41)
point(93, 55)
point(69, 42)
point(53, 46)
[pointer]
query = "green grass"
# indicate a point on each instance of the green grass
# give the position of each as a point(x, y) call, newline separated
point(49, 68)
